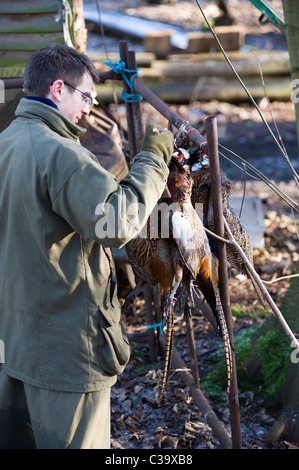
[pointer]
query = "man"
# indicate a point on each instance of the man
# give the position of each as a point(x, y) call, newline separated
point(60, 319)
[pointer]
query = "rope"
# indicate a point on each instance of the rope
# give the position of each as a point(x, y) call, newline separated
point(156, 325)
point(120, 69)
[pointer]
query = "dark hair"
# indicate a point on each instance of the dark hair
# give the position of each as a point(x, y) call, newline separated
point(56, 62)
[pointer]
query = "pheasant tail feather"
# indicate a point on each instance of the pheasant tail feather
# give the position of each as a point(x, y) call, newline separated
point(226, 340)
point(168, 351)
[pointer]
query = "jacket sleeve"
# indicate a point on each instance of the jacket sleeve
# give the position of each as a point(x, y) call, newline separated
point(96, 206)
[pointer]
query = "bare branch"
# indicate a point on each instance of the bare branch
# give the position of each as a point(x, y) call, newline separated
point(232, 242)
point(264, 291)
point(280, 278)
point(225, 240)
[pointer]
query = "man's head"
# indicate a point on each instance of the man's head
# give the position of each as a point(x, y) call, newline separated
point(58, 72)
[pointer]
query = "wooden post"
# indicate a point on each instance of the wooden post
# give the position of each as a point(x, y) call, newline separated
point(135, 133)
point(123, 49)
point(135, 106)
point(212, 138)
point(291, 28)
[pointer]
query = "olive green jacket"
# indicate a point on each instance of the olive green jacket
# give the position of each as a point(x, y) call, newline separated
point(59, 313)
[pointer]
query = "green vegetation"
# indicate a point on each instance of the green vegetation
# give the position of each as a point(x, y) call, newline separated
point(258, 312)
point(215, 381)
point(272, 351)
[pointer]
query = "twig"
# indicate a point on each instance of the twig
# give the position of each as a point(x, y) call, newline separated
point(225, 240)
point(244, 190)
point(231, 242)
point(259, 282)
point(268, 103)
point(282, 150)
point(264, 291)
point(261, 177)
point(295, 174)
point(280, 278)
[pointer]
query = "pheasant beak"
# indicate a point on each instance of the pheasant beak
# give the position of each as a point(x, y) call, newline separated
point(180, 156)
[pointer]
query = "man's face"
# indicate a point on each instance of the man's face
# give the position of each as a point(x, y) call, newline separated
point(71, 102)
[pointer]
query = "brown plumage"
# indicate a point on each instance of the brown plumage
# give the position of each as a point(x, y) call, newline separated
point(201, 195)
point(181, 255)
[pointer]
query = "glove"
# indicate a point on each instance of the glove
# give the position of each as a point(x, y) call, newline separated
point(159, 143)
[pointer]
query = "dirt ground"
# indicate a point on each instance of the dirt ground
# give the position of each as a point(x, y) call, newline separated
point(137, 420)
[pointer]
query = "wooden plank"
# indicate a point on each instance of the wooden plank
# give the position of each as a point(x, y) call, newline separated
point(30, 6)
point(158, 42)
point(143, 59)
point(207, 89)
point(14, 59)
point(28, 41)
point(132, 26)
point(234, 56)
point(272, 63)
point(39, 23)
point(230, 37)
point(210, 88)
point(11, 72)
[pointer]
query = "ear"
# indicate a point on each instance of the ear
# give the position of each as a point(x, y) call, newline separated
point(56, 90)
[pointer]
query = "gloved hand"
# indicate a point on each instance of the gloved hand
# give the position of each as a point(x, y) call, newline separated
point(159, 143)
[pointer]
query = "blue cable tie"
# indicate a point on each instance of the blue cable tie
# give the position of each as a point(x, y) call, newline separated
point(120, 69)
point(158, 325)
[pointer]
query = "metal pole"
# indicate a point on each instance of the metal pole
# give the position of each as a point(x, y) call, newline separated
point(212, 138)
point(123, 49)
point(10, 83)
point(135, 133)
point(136, 108)
point(175, 119)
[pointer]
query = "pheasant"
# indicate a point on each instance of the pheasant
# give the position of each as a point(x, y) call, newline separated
point(201, 195)
point(179, 255)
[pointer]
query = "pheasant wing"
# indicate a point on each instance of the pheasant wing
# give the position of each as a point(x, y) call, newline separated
point(139, 254)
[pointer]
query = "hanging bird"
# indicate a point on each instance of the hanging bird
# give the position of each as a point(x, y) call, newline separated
point(201, 195)
point(178, 256)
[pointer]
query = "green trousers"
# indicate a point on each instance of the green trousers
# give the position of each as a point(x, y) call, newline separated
point(31, 417)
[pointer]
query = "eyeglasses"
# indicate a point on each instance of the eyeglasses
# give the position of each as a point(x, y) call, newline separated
point(87, 99)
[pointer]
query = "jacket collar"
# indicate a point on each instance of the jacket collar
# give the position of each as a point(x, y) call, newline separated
point(58, 122)
point(43, 100)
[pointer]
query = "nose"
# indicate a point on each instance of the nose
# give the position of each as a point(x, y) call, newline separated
point(86, 108)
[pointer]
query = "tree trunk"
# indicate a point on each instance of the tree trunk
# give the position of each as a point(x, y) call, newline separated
point(291, 15)
point(79, 29)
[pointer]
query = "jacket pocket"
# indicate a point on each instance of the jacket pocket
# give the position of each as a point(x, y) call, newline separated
point(114, 347)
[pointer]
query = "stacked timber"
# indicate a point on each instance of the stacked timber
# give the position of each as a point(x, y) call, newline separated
point(159, 37)
point(24, 28)
point(28, 26)
point(185, 78)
